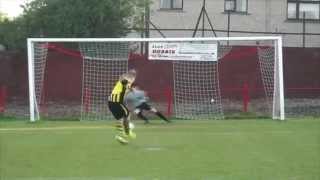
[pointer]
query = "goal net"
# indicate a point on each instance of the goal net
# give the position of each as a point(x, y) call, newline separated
point(196, 76)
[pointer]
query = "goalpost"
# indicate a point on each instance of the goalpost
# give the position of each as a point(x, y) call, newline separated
point(196, 88)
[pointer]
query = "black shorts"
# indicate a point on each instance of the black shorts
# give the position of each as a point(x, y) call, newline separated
point(118, 110)
point(144, 106)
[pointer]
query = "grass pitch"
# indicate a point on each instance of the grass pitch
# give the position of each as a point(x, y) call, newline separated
point(200, 150)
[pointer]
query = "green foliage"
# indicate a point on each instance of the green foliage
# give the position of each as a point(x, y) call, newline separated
point(13, 33)
point(71, 18)
point(2, 17)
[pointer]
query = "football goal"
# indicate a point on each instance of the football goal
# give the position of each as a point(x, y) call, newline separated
point(195, 73)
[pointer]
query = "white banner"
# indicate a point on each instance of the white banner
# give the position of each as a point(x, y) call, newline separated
point(182, 51)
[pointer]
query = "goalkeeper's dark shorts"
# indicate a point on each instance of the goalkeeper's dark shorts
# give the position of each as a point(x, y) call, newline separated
point(118, 110)
point(144, 106)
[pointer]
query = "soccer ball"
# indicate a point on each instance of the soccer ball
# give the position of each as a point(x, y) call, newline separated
point(131, 125)
point(212, 100)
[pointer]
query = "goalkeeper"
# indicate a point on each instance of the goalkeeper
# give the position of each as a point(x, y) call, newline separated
point(139, 101)
point(118, 108)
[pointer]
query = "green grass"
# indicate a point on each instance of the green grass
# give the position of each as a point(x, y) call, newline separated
point(200, 150)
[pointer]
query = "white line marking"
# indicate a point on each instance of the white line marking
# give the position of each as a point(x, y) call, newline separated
point(30, 129)
point(154, 148)
point(55, 128)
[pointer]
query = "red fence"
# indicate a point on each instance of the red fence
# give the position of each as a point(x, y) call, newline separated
point(63, 78)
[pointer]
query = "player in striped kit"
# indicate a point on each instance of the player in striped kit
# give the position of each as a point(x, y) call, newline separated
point(118, 108)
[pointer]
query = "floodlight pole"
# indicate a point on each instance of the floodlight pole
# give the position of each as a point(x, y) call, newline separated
point(203, 13)
point(142, 35)
point(157, 29)
point(228, 35)
point(304, 30)
point(203, 20)
point(147, 26)
point(229, 9)
point(147, 23)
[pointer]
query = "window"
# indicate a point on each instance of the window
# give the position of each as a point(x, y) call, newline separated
point(236, 6)
point(296, 9)
point(171, 4)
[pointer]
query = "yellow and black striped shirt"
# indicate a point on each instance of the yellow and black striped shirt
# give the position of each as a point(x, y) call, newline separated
point(119, 91)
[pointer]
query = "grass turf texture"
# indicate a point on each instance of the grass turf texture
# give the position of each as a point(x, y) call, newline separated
point(223, 150)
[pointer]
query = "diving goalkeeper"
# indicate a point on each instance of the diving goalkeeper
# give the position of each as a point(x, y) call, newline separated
point(138, 99)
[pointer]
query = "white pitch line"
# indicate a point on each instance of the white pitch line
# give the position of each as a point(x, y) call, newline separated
point(69, 178)
point(30, 129)
point(154, 148)
point(53, 128)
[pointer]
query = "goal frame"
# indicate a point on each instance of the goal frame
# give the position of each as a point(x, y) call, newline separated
point(34, 115)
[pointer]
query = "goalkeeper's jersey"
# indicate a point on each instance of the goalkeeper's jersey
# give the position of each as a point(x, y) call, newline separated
point(119, 91)
point(135, 98)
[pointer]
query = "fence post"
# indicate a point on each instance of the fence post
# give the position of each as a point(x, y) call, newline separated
point(168, 94)
point(3, 98)
point(87, 100)
point(245, 97)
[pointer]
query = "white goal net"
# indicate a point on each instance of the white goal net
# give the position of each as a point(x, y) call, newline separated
point(197, 91)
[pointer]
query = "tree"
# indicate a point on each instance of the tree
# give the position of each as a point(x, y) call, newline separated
point(71, 18)
point(2, 17)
